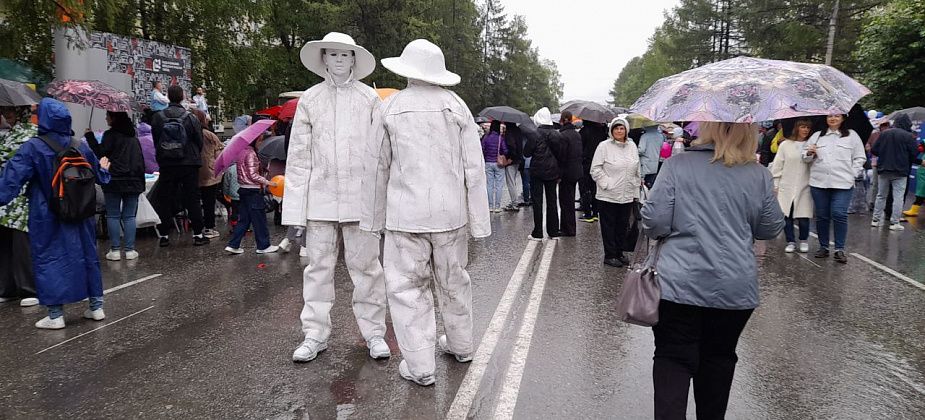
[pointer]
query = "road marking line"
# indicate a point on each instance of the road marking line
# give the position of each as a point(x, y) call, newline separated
point(131, 283)
point(515, 372)
point(94, 330)
point(473, 379)
point(889, 270)
point(810, 261)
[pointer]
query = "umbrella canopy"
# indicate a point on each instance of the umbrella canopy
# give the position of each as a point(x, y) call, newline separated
point(506, 114)
point(916, 113)
point(17, 94)
point(238, 143)
point(745, 89)
point(857, 120)
point(639, 121)
point(92, 93)
point(272, 112)
point(273, 148)
point(591, 111)
point(287, 112)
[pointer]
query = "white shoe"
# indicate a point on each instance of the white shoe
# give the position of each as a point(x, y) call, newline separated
point(303, 252)
point(308, 350)
point(897, 227)
point(284, 245)
point(131, 254)
point(211, 233)
point(50, 324)
point(114, 255)
point(425, 380)
point(790, 247)
point(97, 315)
point(27, 302)
point(804, 247)
point(531, 238)
point(378, 349)
point(441, 344)
point(876, 223)
point(268, 250)
point(231, 250)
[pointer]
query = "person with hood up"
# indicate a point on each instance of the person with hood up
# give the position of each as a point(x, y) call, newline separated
point(650, 145)
point(128, 181)
point(146, 140)
point(17, 281)
point(896, 151)
point(571, 169)
point(493, 148)
point(327, 156)
point(426, 189)
point(615, 169)
point(592, 134)
point(545, 151)
point(64, 257)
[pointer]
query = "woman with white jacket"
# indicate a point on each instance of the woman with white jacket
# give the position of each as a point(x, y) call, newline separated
point(791, 184)
point(615, 169)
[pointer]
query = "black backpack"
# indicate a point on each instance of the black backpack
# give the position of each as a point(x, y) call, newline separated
point(172, 144)
point(73, 185)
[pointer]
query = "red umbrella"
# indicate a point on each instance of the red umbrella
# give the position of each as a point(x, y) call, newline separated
point(271, 112)
point(287, 113)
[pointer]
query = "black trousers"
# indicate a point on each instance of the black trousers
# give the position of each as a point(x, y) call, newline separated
point(537, 189)
point(588, 189)
point(182, 182)
point(209, 196)
point(16, 277)
point(693, 342)
point(567, 206)
point(615, 226)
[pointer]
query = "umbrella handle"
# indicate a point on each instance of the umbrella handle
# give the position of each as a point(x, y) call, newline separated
point(90, 122)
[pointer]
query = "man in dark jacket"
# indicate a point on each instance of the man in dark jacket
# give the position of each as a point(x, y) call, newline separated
point(571, 166)
point(543, 147)
point(592, 134)
point(179, 172)
point(896, 151)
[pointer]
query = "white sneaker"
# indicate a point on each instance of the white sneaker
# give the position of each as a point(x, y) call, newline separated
point(114, 255)
point(131, 254)
point(50, 324)
point(27, 302)
point(876, 223)
point(804, 247)
point(303, 252)
point(97, 315)
point(284, 245)
point(231, 250)
point(308, 350)
point(531, 238)
point(269, 250)
point(441, 344)
point(897, 227)
point(790, 247)
point(211, 233)
point(425, 380)
point(378, 349)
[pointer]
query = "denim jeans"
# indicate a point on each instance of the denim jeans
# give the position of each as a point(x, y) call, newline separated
point(803, 223)
point(120, 219)
point(57, 311)
point(495, 178)
point(525, 179)
point(898, 184)
point(251, 211)
point(831, 207)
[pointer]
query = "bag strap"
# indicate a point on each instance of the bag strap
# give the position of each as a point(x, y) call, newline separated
point(52, 144)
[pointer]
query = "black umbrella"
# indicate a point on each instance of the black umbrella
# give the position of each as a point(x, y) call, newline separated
point(857, 120)
point(506, 114)
point(591, 111)
point(273, 148)
point(17, 94)
point(916, 113)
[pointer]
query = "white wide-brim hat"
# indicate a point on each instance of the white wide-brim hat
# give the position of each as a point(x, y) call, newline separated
point(363, 66)
point(422, 60)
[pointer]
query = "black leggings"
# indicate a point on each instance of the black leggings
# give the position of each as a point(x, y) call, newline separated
point(919, 201)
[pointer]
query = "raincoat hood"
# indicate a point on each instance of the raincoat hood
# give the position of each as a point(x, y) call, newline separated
point(618, 121)
point(143, 129)
point(54, 118)
point(903, 122)
point(543, 117)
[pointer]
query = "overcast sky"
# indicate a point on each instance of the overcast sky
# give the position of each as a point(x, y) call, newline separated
point(590, 40)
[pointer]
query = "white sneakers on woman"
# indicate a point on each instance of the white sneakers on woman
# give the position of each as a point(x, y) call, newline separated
point(792, 247)
point(50, 324)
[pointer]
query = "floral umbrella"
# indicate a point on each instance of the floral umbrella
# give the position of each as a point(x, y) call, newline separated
point(92, 93)
point(745, 89)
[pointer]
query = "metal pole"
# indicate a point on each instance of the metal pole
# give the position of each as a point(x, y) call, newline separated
point(833, 23)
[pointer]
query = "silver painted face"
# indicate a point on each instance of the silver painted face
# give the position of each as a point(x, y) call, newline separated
point(338, 62)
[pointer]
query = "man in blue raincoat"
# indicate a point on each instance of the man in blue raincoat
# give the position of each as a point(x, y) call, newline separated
point(64, 257)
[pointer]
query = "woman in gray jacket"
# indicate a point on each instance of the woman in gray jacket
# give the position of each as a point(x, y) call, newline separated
point(707, 209)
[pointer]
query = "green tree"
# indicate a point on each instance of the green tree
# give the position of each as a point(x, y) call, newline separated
point(891, 54)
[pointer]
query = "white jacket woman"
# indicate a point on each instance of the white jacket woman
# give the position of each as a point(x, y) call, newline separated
point(615, 169)
point(791, 180)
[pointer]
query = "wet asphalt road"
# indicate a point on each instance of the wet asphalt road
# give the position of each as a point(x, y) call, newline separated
point(212, 337)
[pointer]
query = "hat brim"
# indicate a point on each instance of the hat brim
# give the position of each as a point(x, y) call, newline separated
point(310, 55)
point(398, 66)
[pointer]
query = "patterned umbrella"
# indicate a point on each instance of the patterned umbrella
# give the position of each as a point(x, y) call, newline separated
point(745, 89)
point(92, 93)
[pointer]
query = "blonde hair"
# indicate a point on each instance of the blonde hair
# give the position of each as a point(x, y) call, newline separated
point(734, 143)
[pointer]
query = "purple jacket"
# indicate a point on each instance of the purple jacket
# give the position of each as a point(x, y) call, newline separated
point(147, 147)
point(490, 147)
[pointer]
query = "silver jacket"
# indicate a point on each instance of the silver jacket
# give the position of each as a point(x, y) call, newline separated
point(430, 172)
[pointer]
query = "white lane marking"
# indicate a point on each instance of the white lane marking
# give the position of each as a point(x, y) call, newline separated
point(810, 261)
point(889, 270)
point(94, 330)
point(515, 372)
point(131, 283)
point(470, 384)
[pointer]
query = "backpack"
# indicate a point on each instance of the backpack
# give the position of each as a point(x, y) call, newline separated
point(172, 144)
point(73, 184)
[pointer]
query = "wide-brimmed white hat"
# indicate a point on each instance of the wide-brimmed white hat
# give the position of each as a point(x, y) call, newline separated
point(422, 60)
point(311, 55)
